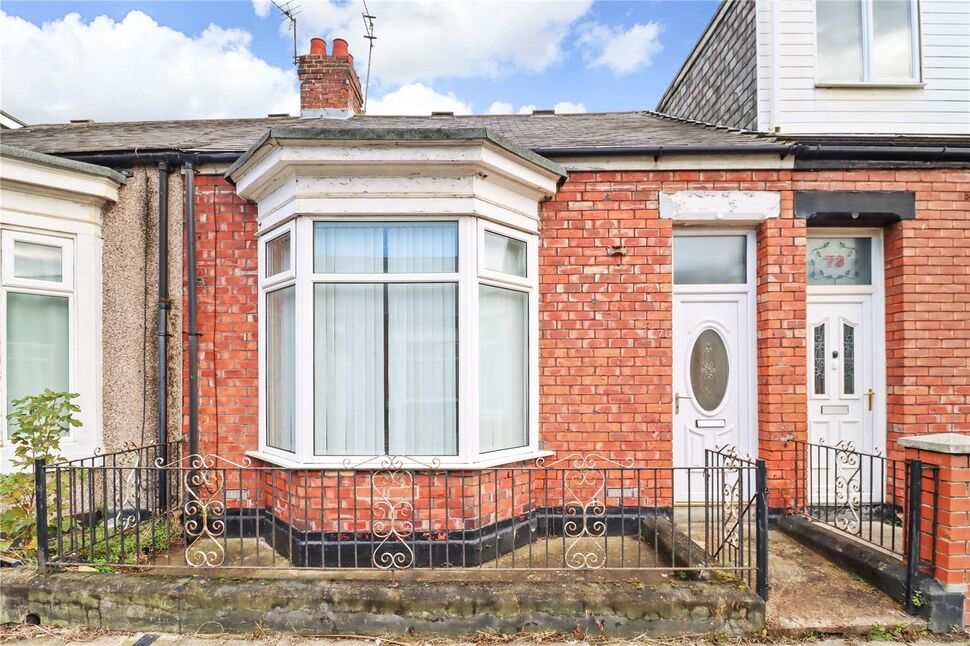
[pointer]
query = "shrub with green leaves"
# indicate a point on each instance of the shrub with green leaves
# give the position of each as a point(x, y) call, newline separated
point(37, 425)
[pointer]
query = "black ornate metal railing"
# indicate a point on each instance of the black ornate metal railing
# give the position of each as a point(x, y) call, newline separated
point(870, 497)
point(138, 509)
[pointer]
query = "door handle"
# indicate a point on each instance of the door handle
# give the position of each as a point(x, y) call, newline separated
point(677, 399)
point(869, 395)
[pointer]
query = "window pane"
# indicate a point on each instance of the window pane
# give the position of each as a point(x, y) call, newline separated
point(37, 261)
point(422, 367)
point(892, 35)
point(839, 261)
point(504, 254)
point(818, 340)
point(281, 368)
point(37, 345)
point(504, 368)
point(375, 248)
point(839, 24)
point(710, 260)
point(848, 359)
point(348, 369)
point(278, 255)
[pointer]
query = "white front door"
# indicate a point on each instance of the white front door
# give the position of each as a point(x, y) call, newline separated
point(841, 371)
point(845, 361)
point(714, 392)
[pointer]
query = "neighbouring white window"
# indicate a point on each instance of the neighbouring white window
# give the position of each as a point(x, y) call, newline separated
point(407, 337)
point(36, 301)
point(867, 41)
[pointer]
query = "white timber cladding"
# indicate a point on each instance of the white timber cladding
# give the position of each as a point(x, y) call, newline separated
point(936, 102)
point(481, 187)
point(723, 207)
point(57, 206)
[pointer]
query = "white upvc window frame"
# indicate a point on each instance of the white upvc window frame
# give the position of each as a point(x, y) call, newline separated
point(65, 288)
point(470, 273)
point(868, 79)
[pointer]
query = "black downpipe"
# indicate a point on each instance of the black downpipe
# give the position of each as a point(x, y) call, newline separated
point(193, 333)
point(164, 305)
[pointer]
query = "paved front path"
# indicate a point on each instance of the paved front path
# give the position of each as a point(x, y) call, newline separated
point(810, 594)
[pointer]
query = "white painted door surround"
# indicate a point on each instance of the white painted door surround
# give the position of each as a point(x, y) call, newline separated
point(714, 368)
point(846, 341)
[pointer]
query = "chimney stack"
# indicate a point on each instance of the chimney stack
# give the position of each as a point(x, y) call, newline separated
point(329, 85)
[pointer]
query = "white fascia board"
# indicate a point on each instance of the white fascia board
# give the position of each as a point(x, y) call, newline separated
point(729, 207)
point(29, 176)
point(679, 162)
point(393, 178)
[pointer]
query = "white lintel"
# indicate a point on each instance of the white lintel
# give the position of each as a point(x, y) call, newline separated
point(720, 207)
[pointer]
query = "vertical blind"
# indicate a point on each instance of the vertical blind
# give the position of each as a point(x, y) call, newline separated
point(385, 354)
point(504, 368)
point(281, 368)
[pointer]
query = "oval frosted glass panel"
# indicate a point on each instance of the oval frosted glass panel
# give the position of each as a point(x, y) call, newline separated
point(710, 260)
point(709, 370)
point(839, 261)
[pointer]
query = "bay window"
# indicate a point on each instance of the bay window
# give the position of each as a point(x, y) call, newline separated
point(867, 41)
point(398, 336)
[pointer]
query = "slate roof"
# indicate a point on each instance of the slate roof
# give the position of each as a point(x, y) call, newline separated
point(586, 131)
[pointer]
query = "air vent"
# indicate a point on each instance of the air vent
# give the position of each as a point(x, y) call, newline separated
point(543, 113)
point(81, 122)
point(442, 114)
point(278, 115)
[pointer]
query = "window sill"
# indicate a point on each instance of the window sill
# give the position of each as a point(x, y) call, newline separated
point(871, 85)
point(419, 464)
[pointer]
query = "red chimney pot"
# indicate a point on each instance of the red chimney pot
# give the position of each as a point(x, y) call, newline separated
point(318, 47)
point(340, 48)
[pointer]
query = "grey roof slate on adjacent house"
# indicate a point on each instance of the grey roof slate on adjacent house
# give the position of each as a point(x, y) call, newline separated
point(59, 162)
point(535, 132)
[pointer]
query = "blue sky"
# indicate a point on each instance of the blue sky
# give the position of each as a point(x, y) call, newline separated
point(207, 59)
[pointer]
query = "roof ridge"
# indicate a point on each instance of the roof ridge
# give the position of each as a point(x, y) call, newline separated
point(706, 124)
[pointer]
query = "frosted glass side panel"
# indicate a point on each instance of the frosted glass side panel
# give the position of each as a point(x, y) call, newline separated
point(281, 368)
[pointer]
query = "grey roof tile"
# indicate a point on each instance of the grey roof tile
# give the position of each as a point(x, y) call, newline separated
point(589, 130)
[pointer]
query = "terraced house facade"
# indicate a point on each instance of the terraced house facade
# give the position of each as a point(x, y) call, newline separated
point(451, 294)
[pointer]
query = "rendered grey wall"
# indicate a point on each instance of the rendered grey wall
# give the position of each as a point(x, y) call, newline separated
point(720, 86)
point(130, 337)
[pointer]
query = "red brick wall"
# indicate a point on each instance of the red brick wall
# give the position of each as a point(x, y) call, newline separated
point(227, 302)
point(605, 321)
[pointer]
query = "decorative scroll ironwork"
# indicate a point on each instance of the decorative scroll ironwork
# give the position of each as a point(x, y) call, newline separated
point(204, 508)
point(584, 507)
point(731, 495)
point(392, 509)
point(848, 487)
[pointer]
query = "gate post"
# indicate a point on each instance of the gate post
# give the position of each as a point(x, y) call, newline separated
point(761, 519)
point(40, 491)
point(942, 512)
point(914, 504)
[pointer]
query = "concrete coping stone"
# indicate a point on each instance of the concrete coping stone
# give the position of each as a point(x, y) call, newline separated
point(951, 443)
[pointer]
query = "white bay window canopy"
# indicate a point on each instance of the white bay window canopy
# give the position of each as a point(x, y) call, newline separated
point(398, 294)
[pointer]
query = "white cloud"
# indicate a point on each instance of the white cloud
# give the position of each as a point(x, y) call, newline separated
point(417, 99)
point(621, 50)
point(135, 69)
point(563, 107)
point(500, 107)
point(425, 40)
